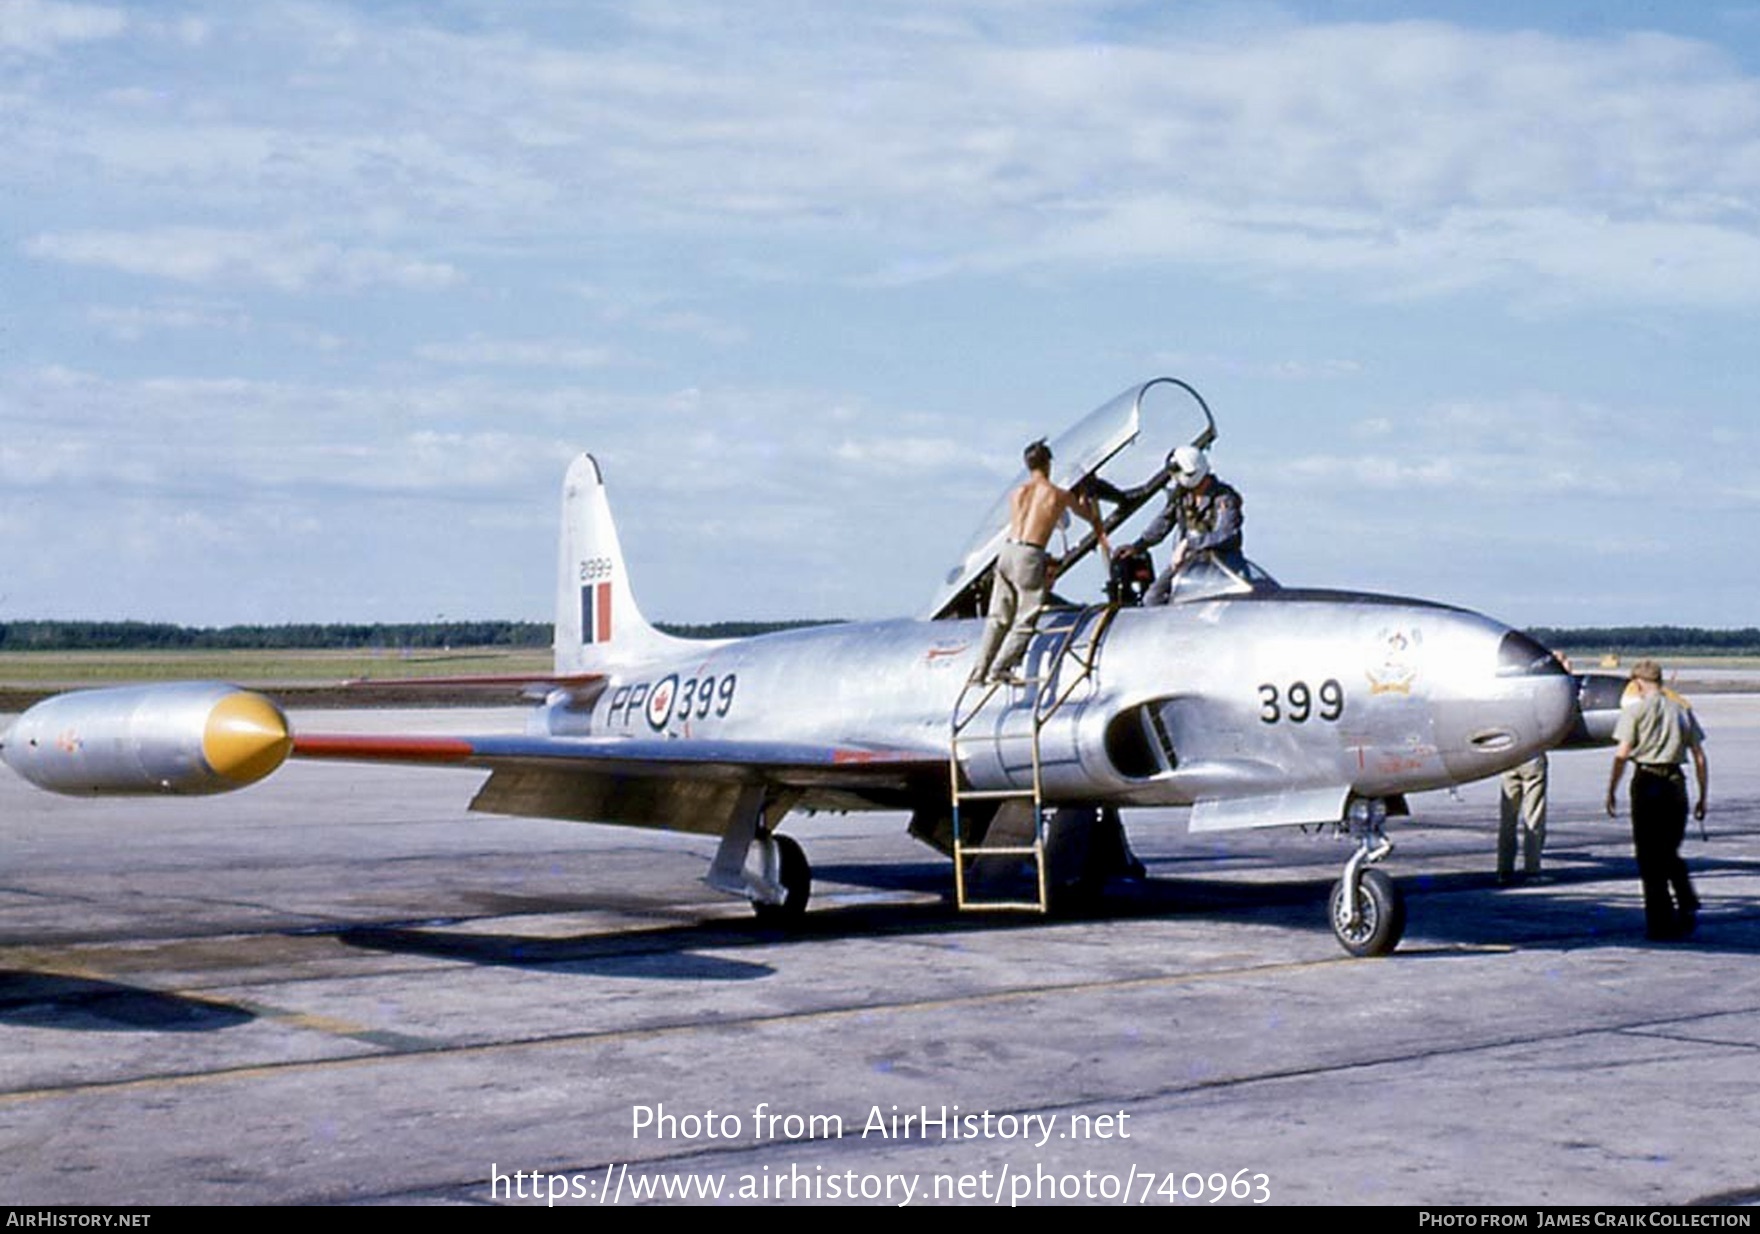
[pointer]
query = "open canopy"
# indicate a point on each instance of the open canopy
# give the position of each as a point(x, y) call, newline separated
point(1125, 443)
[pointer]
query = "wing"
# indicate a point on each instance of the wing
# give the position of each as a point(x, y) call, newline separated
point(679, 785)
point(191, 738)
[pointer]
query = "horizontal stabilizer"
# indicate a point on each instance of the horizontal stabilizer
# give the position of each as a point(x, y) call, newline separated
point(487, 688)
point(488, 681)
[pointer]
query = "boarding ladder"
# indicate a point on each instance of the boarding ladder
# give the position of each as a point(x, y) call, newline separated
point(1070, 661)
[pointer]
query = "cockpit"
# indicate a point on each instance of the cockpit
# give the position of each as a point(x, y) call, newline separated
point(1118, 455)
point(1213, 576)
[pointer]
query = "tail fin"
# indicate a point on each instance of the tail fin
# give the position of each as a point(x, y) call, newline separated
point(597, 622)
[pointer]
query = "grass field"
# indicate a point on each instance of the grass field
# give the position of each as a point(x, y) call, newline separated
point(85, 668)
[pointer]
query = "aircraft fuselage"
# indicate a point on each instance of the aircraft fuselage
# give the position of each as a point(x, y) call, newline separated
point(1239, 697)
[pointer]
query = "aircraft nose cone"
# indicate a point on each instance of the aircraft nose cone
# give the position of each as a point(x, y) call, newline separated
point(245, 737)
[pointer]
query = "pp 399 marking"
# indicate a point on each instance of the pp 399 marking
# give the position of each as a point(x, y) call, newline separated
point(661, 702)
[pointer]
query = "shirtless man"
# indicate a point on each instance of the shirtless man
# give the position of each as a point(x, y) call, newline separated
point(1023, 571)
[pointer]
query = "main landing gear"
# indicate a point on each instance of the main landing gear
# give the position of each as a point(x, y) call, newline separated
point(784, 868)
point(754, 861)
point(1367, 911)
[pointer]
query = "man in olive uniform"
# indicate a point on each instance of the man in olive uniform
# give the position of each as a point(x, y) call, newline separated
point(1656, 730)
point(1524, 811)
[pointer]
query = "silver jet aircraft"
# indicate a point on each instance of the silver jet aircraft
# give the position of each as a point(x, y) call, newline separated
point(1253, 704)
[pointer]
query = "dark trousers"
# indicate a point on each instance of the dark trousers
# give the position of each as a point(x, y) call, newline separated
point(1659, 822)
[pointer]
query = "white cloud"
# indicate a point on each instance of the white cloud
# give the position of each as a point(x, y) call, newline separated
point(1012, 207)
point(798, 448)
point(1417, 157)
point(1420, 157)
point(711, 486)
point(131, 323)
point(1380, 471)
point(39, 463)
point(38, 27)
point(1243, 364)
point(517, 353)
point(898, 455)
point(213, 255)
point(224, 436)
point(696, 325)
point(658, 314)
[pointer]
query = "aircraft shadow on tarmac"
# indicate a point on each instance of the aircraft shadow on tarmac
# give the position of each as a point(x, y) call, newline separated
point(84, 1004)
point(1478, 911)
point(649, 955)
point(1448, 910)
point(1548, 909)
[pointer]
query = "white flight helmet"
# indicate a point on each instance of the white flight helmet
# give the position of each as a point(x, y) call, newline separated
point(1188, 466)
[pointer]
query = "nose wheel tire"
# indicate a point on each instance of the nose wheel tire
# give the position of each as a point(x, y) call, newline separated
point(796, 877)
point(1380, 919)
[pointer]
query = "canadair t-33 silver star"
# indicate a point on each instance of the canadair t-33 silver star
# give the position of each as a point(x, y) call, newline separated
point(1253, 704)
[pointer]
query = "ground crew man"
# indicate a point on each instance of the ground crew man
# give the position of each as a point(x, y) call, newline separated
point(1655, 731)
point(1523, 810)
point(1023, 571)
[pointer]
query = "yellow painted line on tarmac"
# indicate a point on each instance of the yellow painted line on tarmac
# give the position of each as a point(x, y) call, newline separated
point(296, 1019)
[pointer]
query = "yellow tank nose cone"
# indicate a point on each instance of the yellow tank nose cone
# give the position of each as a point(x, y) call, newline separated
point(246, 737)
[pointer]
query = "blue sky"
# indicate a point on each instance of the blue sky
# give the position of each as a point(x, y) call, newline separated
point(306, 306)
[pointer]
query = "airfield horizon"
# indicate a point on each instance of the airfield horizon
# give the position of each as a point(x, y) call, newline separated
point(30, 671)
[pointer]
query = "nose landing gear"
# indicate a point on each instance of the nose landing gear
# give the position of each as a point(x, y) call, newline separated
point(1367, 911)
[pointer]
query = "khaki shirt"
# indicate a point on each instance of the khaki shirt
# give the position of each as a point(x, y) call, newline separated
point(1658, 730)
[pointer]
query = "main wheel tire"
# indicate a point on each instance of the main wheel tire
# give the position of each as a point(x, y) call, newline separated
point(796, 877)
point(1381, 915)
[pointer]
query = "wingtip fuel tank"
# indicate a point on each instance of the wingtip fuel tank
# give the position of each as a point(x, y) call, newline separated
point(182, 738)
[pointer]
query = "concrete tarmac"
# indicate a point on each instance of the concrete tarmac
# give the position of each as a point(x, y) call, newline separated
point(341, 987)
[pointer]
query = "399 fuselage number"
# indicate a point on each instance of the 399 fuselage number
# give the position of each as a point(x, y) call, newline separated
point(1297, 703)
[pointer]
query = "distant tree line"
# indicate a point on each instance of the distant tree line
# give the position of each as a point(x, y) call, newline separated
point(164, 636)
point(731, 629)
point(1680, 640)
point(433, 635)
